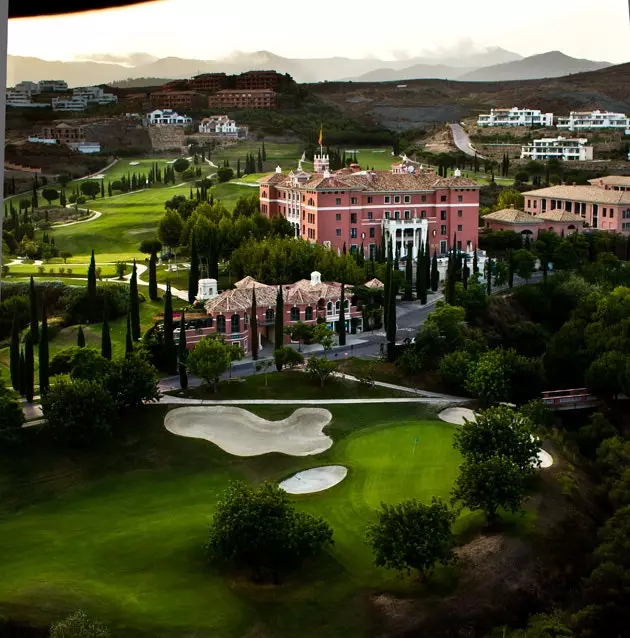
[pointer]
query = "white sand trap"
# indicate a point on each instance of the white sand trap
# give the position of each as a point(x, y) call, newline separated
point(457, 416)
point(242, 433)
point(317, 479)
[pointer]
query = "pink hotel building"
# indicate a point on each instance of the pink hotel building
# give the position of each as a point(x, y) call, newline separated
point(353, 207)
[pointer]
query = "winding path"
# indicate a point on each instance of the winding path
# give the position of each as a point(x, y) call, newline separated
point(462, 141)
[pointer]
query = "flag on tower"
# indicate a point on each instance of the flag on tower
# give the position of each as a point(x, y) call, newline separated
point(321, 136)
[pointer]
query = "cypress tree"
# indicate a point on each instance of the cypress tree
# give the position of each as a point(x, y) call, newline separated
point(15, 354)
point(475, 262)
point(279, 322)
point(435, 273)
point(170, 352)
point(80, 338)
point(22, 373)
point(181, 355)
point(134, 303)
point(260, 162)
point(44, 358)
point(449, 292)
point(153, 287)
point(383, 255)
point(264, 152)
point(391, 320)
point(128, 337)
point(342, 316)
point(409, 265)
point(102, 189)
point(106, 339)
point(29, 368)
point(34, 313)
point(343, 250)
point(465, 273)
point(489, 276)
point(109, 189)
point(91, 285)
point(421, 274)
point(510, 269)
point(253, 323)
point(193, 275)
point(238, 167)
point(386, 287)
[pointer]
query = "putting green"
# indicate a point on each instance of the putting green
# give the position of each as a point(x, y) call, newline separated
point(120, 530)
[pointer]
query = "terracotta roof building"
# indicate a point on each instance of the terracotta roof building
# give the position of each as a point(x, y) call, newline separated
point(604, 205)
point(229, 313)
point(360, 208)
point(519, 221)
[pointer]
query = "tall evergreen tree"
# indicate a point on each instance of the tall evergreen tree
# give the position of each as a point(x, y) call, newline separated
point(109, 189)
point(421, 274)
point(44, 357)
point(383, 255)
point(128, 337)
point(510, 269)
point(193, 275)
point(341, 324)
point(451, 277)
point(170, 353)
point(29, 366)
point(409, 265)
point(91, 284)
point(391, 321)
point(279, 323)
point(23, 373)
point(182, 354)
point(238, 167)
point(465, 273)
point(386, 287)
point(260, 162)
point(134, 303)
point(15, 354)
point(264, 152)
point(102, 188)
point(253, 324)
point(475, 261)
point(80, 337)
point(106, 339)
point(153, 287)
point(34, 314)
point(435, 273)
point(489, 276)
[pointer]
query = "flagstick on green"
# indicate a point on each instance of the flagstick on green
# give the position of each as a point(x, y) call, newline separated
point(414, 446)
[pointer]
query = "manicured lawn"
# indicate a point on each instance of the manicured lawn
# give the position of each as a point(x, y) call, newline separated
point(291, 384)
point(285, 155)
point(120, 530)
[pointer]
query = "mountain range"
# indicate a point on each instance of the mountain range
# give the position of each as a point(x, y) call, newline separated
point(492, 64)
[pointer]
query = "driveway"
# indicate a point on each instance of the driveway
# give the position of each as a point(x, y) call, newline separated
point(462, 141)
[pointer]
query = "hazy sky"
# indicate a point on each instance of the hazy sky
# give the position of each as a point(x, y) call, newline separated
point(206, 30)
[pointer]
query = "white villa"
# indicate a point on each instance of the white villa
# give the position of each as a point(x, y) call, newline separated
point(516, 117)
point(561, 148)
point(74, 103)
point(22, 99)
point(580, 120)
point(94, 95)
point(52, 86)
point(167, 117)
point(223, 126)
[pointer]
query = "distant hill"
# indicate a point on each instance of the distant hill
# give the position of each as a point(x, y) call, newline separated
point(414, 72)
point(546, 65)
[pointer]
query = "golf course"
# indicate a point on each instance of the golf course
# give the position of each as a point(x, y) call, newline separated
point(120, 530)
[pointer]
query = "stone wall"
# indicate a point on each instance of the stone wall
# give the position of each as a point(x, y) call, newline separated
point(166, 137)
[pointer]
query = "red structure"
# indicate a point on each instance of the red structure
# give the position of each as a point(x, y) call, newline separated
point(176, 99)
point(257, 80)
point(244, 99)
point(210, 82)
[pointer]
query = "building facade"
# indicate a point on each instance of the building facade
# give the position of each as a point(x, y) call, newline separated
point(176, 99)
point(560, 148)
point(27, 87)
point(222, 126)
point(23, 99)
point(167, 117)
point(77, 104)
point(229, 313)
point(64, 133)
point(252, 80)
point(52, 86)
point(94, 95)
point(612, 182)
point(599, 206)
point(516, 117)
point(355, 208)
point(243, 99)
point(588, 120)
point(210, 82)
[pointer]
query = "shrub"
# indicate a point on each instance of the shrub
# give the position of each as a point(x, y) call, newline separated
point(88, 364)
point(11, 415)
point(132, 381)
point(13, 306)
point(78, 308)
point(79, 412)
point(78, 625)
point(454, 369)
point(287, 357)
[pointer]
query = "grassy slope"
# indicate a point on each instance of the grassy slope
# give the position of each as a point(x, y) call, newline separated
point(121, 531)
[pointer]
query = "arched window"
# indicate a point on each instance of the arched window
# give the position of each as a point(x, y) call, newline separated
point(308, 314)
point(220, 324)
point(236, 323)
point(337, 305)
point(329, 308)
point(346, 304)
point(270, 315)
point(295, 313)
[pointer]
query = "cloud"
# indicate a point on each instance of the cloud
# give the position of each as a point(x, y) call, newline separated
point(128, 59)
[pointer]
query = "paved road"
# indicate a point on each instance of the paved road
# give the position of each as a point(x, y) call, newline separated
point(462, 141)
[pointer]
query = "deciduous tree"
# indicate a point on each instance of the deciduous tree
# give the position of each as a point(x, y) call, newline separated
point(209, 359)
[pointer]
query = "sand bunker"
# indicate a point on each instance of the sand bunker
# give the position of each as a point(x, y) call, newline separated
point(242, 433)
point(457, 416)
point(317, 479)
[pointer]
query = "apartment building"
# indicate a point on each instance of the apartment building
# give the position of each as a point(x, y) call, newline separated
point(22, 99)
point(589, 120)
point(64, 133)
point(238, 99)
point(94, 95)
point(177, 99)
point(355, 207)
point(210, 82)
point(27, 87)
point(52, 86)
point(560, 148)
point(74, 103)
point(166, 117)
point(600, 205)
point(252, 80)
point(516, 116)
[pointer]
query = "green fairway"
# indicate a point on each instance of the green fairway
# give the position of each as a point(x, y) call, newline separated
point(120, 531)
point(285, 155)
